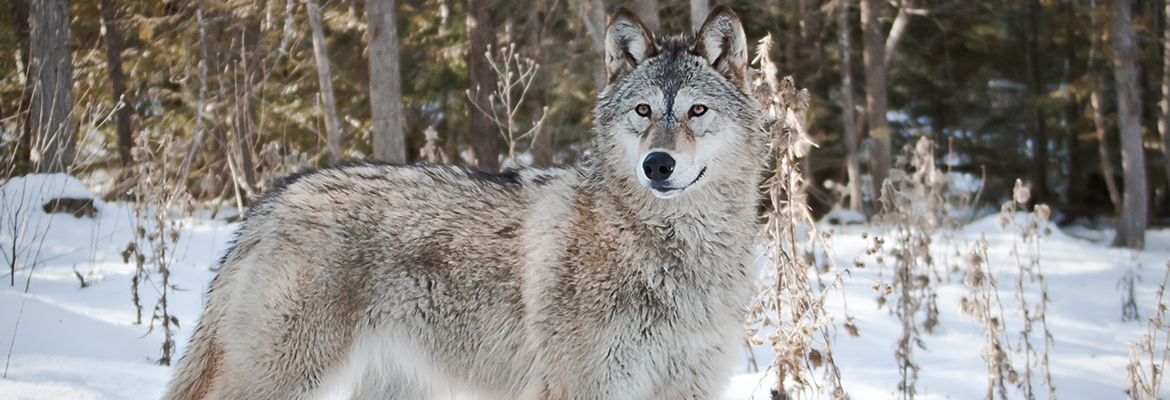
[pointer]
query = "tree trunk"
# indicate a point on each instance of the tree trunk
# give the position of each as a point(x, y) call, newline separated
point(243, 124)
point(813, 48)
point(852, 162)
point(197, 134)
point(1164, 120)
point(54, 132)
point(1105, 149)
point(1131, 227)
point(792, 46)
point(223, 117)
point(544, 143)
point(897, 30)
point(876, 97)
point(122, 105)
point(647, 10)
point(321, 53)
point(1038, 126)
point(1095, 100)
point(1076, 182)
point(593, 14)
point(20, 27)
point(385, 82)
point(484, 135)
point(214, 145)
point(699, 11)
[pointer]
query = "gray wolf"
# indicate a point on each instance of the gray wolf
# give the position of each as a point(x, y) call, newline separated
point(624, 278)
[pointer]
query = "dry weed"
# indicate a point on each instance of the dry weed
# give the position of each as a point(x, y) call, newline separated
point(432, 152)
point(514, 77)
point(1028, 234)
point(982, 303)
point(913, 207)
point(1146, 365)
point(156, 228)
point(1012, 361)
point(789, 311)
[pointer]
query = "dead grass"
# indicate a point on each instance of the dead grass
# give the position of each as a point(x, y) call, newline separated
point(1148, 355)
point(160, 201)
point(913, 207)
point(1012, 361)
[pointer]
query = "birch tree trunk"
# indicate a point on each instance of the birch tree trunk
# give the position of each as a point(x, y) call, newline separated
point(848, 120)
point(897, 30)
point(122, 105)
point(485, 146)
point(54, 131)
point(321, 53)
point(647, 10)
point(385, 82)
point(1131, 227)
point(20, 26)
point(1164, 120)
point(593, 14)
point(876, 96)
point(699, 11)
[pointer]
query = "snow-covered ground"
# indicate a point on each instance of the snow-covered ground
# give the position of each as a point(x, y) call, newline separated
point(69, 342)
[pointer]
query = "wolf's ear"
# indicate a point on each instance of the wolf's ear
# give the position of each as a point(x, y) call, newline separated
point(722, 42)
point(627, 44)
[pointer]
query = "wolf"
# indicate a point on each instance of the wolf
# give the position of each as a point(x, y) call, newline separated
point(623, 278)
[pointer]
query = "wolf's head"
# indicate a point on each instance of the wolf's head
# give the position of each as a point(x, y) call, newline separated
point(676, 114)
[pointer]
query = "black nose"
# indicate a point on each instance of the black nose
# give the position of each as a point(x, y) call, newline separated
point(658, 166)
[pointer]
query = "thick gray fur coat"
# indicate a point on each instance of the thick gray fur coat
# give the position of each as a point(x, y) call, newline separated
point(414, 282)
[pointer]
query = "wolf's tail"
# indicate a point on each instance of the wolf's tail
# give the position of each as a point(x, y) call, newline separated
point(200, 365)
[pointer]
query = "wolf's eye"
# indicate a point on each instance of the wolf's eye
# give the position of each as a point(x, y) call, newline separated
point(698, 110)
point(643, 110)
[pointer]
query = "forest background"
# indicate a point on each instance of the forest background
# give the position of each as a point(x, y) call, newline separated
point(190, 106)
point(1069, 95)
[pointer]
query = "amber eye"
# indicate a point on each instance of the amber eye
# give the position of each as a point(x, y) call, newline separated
point(698, 110)
point(643, 110)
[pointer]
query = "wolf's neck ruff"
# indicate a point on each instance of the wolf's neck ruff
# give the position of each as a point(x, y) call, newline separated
point(625, 279)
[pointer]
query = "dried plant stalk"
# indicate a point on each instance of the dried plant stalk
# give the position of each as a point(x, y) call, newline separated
point(432, 152)
point(789, 311)
point(157, 194)
point(982, 303)
point(1029, 234)
point(1145, 377)
point(1012, 361)
point(913, 201)
point(514, 75)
